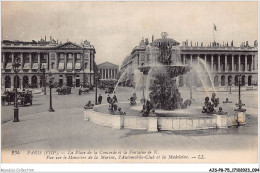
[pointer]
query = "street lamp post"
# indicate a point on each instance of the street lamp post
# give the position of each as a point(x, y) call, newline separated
point(44, 80)
point(96, 80)
point(50, 86)
point(239, 104)
point(16, 67)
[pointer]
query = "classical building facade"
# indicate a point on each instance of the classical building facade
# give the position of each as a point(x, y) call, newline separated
point(71, 64)
point(108, 71)
point(223, 62)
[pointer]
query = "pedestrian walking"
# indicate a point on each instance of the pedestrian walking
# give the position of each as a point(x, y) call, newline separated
point(100, 99)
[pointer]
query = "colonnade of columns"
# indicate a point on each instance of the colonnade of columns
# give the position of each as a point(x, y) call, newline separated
point(22, 59)
point(108, 73)
point(68, 58)
point(44, 59)
point(192, 57)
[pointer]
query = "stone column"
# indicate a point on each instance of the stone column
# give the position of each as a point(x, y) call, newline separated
point(105, 73)
point(57, 62)
point(29, 80)
point(252, 63)
point(65, 61)
point(205, 58)
point(39, 61)
point(21, 81)
point(239, 63)
point(21, 61)
point(191, 59)
point(30, 62)
point(212, 67)
point(114, 74)
point(12, 81)
point(245, 62)
point(3, 54)
point(218, 62)
point(82, 62)
point(12, 55)
point(47, 60)
point(73, 62)
point(183, 58)
point(232, 65)
point(226, 63)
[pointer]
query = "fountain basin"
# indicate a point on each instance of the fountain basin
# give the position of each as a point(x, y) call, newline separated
point(173, 123)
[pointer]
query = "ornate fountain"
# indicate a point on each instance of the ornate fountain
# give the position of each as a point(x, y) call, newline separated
point(164, 93)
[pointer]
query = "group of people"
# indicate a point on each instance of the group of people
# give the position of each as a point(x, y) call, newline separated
point(208, 106)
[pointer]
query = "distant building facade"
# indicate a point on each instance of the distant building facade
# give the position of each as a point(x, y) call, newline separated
point(224, 62)
point(71, 64)
point(108, 71)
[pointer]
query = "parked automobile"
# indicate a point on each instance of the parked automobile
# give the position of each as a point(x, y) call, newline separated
point(25, 98)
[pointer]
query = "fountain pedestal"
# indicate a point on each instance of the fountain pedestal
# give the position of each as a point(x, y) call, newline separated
point(152, 124)
point(221, 121)
point(241, 118)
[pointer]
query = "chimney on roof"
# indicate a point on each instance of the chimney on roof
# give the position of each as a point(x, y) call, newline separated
point(45, 38)
point(50, 38)
point(152, 38)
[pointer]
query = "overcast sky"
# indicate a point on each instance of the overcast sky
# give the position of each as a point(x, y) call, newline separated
point(115, 28)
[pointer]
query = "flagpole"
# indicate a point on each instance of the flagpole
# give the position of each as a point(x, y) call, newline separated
point(213, 32)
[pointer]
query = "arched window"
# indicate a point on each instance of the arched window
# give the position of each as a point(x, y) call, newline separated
point(34, 82)
point(249, 80)
point(7, 82)
point(16, 81)
point(223, 77)
point(216, 80)
point(25, 81)
point(229, 80)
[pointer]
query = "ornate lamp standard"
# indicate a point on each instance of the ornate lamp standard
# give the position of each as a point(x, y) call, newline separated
point(239, 104)
point(96, 81)
point(16, 67)
point(44, 80)
point(230, 85)
point(51, 78)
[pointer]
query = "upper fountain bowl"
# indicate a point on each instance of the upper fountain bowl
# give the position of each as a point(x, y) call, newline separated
point(172, 70)
point(165, 40)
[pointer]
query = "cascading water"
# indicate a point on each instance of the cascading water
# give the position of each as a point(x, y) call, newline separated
point(208, 72)
point(120, 78)
point(197, 70)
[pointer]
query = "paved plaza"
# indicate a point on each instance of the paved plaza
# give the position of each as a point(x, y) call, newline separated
point(66, 129)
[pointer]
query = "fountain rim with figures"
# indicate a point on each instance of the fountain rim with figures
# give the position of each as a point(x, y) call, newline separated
point(154, 122)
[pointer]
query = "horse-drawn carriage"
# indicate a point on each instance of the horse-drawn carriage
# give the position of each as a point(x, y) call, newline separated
point(89, 86)
point(109, 90)
point(83, 91)
point(101, 86)
point(8, 96)
point(64, 90)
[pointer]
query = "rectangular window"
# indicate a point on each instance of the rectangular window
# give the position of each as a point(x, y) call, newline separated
point(86, 65)
point(52, 65)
